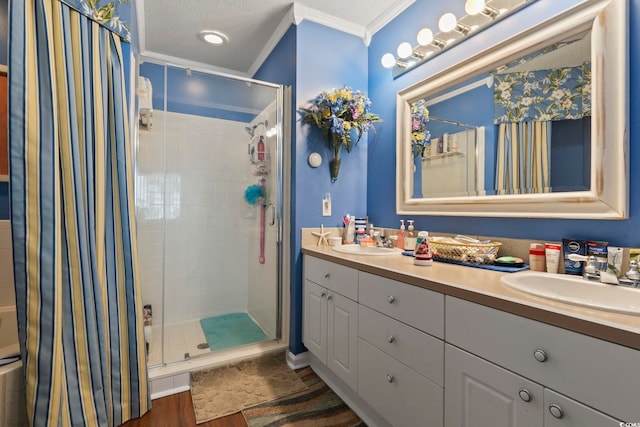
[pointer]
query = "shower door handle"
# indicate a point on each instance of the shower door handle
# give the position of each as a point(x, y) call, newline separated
point(273, 215)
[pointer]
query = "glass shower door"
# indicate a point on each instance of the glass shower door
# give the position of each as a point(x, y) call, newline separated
point(208, 205)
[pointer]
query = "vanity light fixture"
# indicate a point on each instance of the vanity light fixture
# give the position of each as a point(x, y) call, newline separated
point(404, 50)
point(215, 38)
point(447, 22)
point(479, 15)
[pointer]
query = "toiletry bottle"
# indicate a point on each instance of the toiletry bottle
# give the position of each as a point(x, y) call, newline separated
point(261, 149)
point(422, 252)
point(536, 257)
point(400, 243)
point(410, 237)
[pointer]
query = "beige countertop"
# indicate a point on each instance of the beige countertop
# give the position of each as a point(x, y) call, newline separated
point(484, 287)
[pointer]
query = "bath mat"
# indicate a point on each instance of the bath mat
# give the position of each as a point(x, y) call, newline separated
point(231, 330)
point(224, 390)
point(318, 406)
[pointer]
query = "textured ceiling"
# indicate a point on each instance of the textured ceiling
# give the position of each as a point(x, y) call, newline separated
point(170, 28)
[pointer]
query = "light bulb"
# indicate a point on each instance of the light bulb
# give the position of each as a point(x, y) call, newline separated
point(388, 60)
point(474, 7)
point(271, 132)
point(447, 22)
point(404, 50)
point(425, 37)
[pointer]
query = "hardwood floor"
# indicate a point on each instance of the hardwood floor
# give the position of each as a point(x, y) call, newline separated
point(177, 411)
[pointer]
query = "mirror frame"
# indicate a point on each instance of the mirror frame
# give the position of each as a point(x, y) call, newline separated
point(608, 196)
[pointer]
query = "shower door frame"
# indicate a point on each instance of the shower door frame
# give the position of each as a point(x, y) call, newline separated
point(282, 183)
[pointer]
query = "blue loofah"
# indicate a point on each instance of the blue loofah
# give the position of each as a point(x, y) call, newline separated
point(253, 193)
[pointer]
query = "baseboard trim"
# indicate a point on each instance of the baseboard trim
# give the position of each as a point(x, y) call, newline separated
point(169, 392)
point(297, 361)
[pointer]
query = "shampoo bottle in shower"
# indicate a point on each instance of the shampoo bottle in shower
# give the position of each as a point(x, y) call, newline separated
point(261, 149)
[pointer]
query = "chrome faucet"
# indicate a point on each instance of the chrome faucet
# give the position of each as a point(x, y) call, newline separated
point(632, 277)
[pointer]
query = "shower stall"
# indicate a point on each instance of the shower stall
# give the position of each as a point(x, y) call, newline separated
point(209, 204)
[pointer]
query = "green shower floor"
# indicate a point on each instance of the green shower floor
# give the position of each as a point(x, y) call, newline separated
point(231, 330)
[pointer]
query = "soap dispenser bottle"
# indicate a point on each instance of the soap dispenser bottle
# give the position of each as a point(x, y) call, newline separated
point(400, 243)
point(410, 238)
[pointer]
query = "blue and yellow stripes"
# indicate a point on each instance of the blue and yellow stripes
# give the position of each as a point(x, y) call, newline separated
point(523, 158)
point(72, 216)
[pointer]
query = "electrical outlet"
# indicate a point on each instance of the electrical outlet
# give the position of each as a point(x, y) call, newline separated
point(326, 205)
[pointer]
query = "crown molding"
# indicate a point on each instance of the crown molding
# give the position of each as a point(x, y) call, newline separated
point(140, 24)
point(385, 17)
point(284, 25)
point(330, 21)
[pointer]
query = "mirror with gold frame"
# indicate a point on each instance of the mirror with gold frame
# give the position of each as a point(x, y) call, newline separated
point(467, 159)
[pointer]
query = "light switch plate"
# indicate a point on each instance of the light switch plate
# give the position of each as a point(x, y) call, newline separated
point(326, 206)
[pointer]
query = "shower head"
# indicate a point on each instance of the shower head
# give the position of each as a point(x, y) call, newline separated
point(251, 130)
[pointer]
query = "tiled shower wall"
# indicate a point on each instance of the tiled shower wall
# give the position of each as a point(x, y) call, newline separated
point(193, 220)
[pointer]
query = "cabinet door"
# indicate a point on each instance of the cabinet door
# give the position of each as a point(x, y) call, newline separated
point(314, 319)
point(560, 411)
point(481, 394)
point(342, 337)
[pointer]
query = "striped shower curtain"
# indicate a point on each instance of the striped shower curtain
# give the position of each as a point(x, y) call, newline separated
point(79, 307)
point(523, 158)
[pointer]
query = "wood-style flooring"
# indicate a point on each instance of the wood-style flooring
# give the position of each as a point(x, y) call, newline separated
point(177, 411)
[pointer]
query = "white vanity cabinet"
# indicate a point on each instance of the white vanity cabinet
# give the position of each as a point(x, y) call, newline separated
point(571, 379)
point(330, 316)
point(481, 394)
point(401, 353)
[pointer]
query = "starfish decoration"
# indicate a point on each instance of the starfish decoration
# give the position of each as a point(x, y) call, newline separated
point(322, 236)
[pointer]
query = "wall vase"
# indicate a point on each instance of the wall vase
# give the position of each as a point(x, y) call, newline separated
point(336, 144)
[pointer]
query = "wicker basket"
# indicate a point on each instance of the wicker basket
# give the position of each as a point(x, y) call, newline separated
point(477, 253)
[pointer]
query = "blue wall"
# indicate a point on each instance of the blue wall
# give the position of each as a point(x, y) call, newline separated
point(383, 89)
point(323, 59)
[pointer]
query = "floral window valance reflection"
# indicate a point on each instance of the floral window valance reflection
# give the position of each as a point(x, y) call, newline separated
point(104, 12)
point(543, 95)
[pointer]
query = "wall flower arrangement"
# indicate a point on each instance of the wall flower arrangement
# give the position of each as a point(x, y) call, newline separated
point(342, 116)
point(420, 135)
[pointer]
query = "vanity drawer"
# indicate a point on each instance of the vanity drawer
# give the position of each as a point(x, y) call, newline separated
point(600, 374)
point(419, 351)
point(573, 414)
point(399, 394)
point(336, 277)
point(421, 308)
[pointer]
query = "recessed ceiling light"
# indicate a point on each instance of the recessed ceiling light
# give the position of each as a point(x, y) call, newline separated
point(213, 37)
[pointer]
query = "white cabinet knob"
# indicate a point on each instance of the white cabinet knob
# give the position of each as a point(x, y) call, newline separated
point(323, 294)
point(540, 355)
point(525, 395)
point(327, 275)
point(390, 378)
point(391, 299)
point(556, 411)
point(391, 338)
point(330, 297)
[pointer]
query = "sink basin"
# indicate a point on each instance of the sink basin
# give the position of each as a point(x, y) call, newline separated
point(366, 250)
point(576, 290)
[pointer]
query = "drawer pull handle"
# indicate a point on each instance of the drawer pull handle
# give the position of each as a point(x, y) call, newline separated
point(391, 338)
point(556, 411)
point(330, 297)
point(540, 355)
point(391, 299)
point(327, 275)
point(525, 395)
point(390, 378)
point(323, 294)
